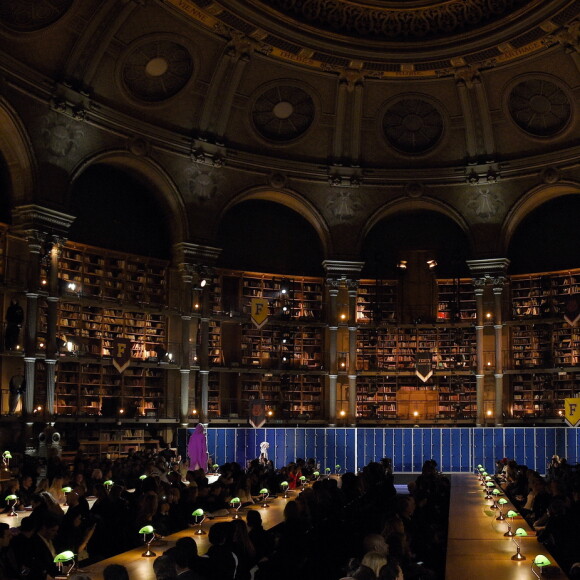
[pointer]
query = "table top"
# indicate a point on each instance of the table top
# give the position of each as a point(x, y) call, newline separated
point(476, 546)
point(142, 567)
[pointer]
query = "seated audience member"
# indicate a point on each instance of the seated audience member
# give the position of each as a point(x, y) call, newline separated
point(40, 560)
point(115, 572)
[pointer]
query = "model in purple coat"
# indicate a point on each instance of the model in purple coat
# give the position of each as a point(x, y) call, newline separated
point(197, 449)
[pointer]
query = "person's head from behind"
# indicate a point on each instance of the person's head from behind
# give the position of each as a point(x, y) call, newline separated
point(374, 561)
point(254, 519)
point(164, 567)
point(115, 572)
point(220, 534)
point(375, 543)
point(5, 535)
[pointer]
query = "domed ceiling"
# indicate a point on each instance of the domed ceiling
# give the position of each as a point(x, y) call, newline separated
point(388, 39)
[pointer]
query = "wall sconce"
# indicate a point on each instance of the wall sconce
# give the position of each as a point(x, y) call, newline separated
point(432, 264)
point(520, 533)
point(540, 561)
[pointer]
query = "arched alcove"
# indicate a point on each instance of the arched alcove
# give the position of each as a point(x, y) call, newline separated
point(414, 230)
point(116, 210)
point(548, 238)
point(265, 236)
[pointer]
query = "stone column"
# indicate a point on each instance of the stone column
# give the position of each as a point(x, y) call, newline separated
point(479, 374)
point(498, 285)
point(332, 347)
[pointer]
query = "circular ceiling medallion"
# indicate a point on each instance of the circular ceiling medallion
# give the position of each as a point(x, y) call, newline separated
point(157, 70)
point(31, 15)
point(412, 125)
point(539, 107)
point(283, 113)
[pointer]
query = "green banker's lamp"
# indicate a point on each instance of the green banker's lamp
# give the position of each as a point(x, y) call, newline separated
point(108, 484)
point(236, 504)
point(216, 468)
point(302, 481)
point(284, 486)
point(316, 475)
point(6, 457)
point(540, 561)
point(488, 487)
point(65, 490)
point(199, 517)
point(146, 530)
point(142, 477)
point(511, 515)
point(337, 469)
point(264, 493)
point(494, 494)
point(501, 501)
point(12, 498)
point(327, 471)
point(64, 558)
point(520, 533)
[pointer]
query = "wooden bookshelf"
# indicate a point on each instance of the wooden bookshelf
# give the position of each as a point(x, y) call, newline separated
point(456, 301)
point(376, 302)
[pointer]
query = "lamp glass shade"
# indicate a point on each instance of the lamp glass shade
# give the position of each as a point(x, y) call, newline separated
point(540, 560)
point(520, 532)
point(146, 530)
point(490, 484)
point(512, 514)
point(235, 500)
point(488, 478)
point(197, 513)
point(327, 469)
point(7, 455)
point(10, 497)
point(264, 490)
point(316, 473)
point(284, 484)
point(479, 466)
point(66, 489)
point(65, 556)
point(142, 477)
point(502, 501)
point(496, 491)
point(215, 465)
point(302, 478)
point(337, 466)
point(108, 482)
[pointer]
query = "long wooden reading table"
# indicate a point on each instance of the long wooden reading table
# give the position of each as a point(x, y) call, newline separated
point(476, 546)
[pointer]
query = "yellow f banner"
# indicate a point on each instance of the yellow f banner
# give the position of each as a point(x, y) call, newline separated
point(259, 311)
point(572, 412)
point(121, 353)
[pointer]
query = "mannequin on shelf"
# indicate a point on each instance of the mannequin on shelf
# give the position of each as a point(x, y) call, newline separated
point(197, 449)
point(17, 387)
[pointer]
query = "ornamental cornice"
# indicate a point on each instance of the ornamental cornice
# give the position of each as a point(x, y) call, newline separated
point(428, 39)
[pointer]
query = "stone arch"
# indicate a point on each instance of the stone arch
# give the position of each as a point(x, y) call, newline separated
point(16, 149)
point(163, 186)
point(530, 201)
point(413, 204)
point(291, 200)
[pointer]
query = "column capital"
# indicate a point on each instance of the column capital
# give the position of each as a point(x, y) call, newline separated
point(489, 268)
point(40, 218)
point(342, 269)
point(195, 254)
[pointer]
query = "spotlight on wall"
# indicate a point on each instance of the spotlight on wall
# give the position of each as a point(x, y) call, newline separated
point(432, 264)
point(402, 265)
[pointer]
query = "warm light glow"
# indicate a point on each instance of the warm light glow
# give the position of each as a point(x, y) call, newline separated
point(343, 413)
point(343, 364)
point(284, 291)
point(431, 263)
point(489, 413)
point(69, 346)
point(284, 308)
point(196, 305)
point(415, 413)
point(42, 345)
point(270, 413)
point(560, 412)
point(43, 282)
point(343, 316)
point(194, 411)
point(203, 283)
point(402, 264)
point(489, 364)
point(488, 315)
point(121, 411)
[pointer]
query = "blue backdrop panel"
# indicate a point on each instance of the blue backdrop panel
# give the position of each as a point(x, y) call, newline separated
point(455, 449)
